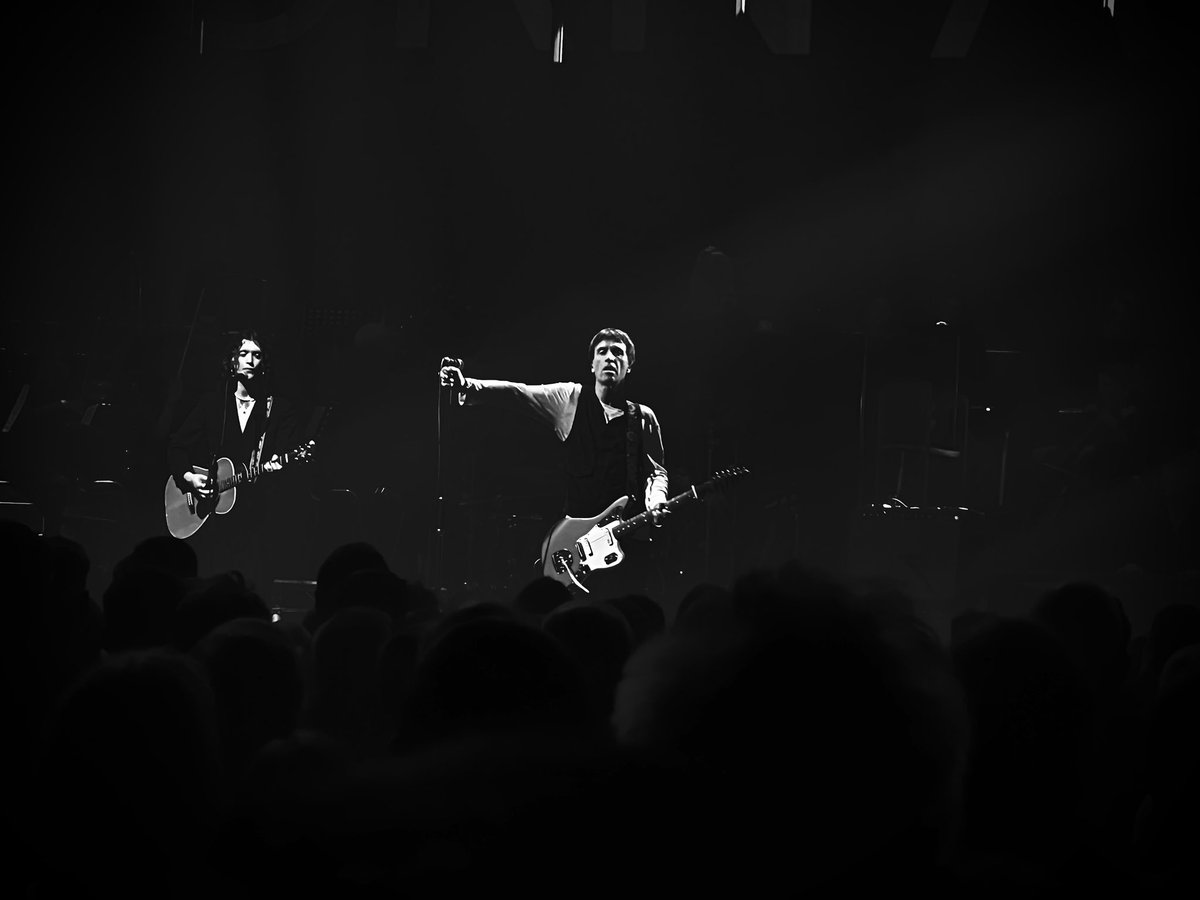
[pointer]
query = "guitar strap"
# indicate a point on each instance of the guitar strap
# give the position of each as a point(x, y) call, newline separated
point(633, 446)
point(256, 455)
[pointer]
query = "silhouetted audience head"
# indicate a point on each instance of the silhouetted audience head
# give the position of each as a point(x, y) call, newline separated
point(254, 671)
point(1168, 828)
point(493, 674)
point(1031, 726)
point(1093, 627)
point(129, 775)
point(702, 606)
point(166, 553)
point(347, 696)
point(336, 568)
point(541, 597)
point(140, 607)
point(69, 565)
point(469, 612)
point(422, 605)
point(397, 670)
point(887, 598)
point(55, 630)
point(829, 750)
point(600, 640)
point(968, 623)
point(284, 800)
point(214, 601)
point(645, 617)
point(373, 589)
point(1175, 626)
point(69, 632)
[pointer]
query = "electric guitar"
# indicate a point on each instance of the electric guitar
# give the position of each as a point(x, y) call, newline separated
point(575, 548)
point(187, 511)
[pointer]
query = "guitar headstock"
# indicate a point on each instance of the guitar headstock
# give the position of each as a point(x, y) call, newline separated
point(721, 479)
point(304, 452)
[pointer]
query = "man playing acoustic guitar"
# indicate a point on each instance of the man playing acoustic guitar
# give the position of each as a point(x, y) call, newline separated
point(613, 447)
point(247, 424)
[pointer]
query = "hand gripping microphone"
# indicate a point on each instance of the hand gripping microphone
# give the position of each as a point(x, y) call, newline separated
point(451, 361)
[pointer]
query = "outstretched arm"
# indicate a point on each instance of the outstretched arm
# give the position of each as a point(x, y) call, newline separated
point(552, 404)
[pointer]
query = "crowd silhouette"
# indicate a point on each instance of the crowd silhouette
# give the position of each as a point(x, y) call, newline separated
point(785, 734)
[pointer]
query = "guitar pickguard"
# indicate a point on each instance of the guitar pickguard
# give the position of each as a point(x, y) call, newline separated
point(599, 549)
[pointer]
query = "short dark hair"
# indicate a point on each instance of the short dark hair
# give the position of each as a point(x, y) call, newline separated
point(229, 360)
point(615, 334)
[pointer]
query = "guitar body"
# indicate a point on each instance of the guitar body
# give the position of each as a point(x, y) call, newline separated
point(186, 511)
point(575, 548)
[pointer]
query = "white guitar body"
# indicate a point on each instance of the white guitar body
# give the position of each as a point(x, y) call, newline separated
point(575, 548)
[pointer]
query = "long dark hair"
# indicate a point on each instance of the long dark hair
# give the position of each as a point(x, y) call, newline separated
point(229, 361)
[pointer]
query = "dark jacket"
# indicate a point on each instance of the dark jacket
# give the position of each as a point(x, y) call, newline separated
point(210, 432)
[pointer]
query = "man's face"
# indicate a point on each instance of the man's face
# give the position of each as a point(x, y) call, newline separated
point(610, 365)
point(249, 359)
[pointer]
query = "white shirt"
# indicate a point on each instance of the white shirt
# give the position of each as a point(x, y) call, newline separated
point(243, 411)
point(556, 405)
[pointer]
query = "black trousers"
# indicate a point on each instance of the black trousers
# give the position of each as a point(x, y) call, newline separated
point(242, 540)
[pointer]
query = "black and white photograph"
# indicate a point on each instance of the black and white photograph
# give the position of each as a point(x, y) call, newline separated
point(601, 447)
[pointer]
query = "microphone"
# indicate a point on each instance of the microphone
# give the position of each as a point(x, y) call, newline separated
point(458, 364)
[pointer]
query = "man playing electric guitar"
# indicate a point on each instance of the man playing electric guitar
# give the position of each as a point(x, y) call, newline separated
point(248, 424)
point(613, 447)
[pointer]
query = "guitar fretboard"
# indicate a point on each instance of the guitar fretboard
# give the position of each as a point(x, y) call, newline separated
point(645, 517)
point(251, 473)
point(695, 492)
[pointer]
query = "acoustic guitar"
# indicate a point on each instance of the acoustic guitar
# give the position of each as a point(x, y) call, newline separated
point(187, 510)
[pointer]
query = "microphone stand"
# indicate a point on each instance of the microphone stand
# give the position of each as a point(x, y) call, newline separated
point(212, 466)
point(862, 426)
point(435, 562)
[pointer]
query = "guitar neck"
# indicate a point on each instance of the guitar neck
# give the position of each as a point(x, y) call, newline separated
point(645, 517)
point(251, 473)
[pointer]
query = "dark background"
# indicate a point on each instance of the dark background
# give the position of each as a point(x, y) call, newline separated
point(374, 206)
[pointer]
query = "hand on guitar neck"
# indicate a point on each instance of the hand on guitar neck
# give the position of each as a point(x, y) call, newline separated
point(198, 481)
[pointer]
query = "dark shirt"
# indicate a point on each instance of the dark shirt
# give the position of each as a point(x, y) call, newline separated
point(212, 431)
point(595, 445)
